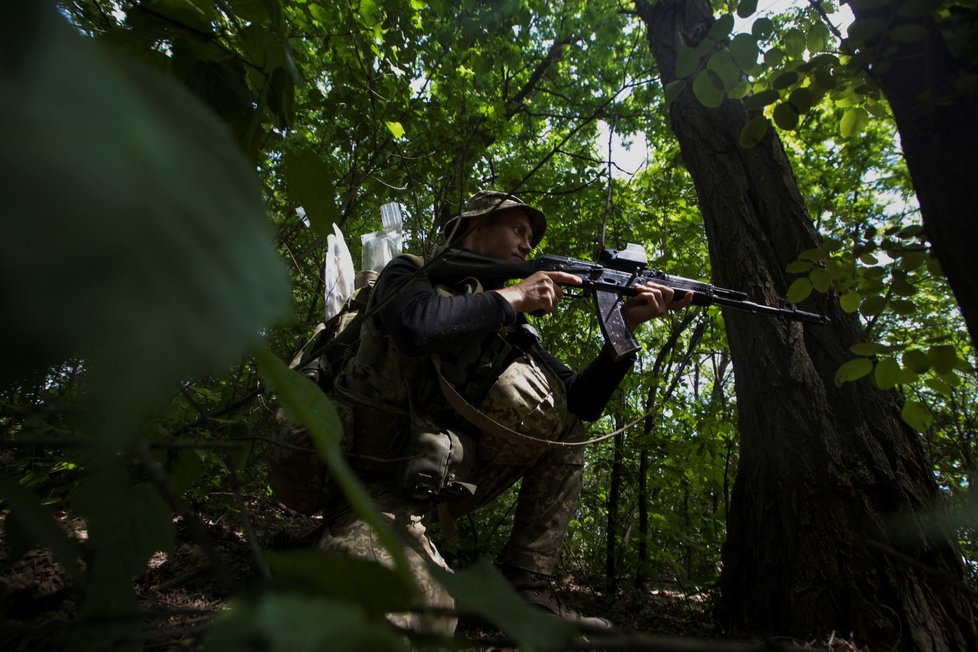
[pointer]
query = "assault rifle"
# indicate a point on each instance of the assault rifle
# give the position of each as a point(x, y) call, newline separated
point(610, 280)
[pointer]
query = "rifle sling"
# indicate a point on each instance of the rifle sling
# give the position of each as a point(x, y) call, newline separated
point(483, 421)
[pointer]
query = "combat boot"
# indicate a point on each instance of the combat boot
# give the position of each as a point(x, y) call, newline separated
point(538, 590)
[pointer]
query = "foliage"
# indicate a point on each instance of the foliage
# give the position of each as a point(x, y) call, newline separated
point(157, 153)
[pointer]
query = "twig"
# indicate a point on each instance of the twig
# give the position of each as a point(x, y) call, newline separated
point(197, 531)
point(249, 531)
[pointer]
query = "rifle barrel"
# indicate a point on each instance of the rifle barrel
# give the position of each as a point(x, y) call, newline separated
point(789, 313)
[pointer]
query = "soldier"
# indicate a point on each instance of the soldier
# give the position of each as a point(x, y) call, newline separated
point(451, 388)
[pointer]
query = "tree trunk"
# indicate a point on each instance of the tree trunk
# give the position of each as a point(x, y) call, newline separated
point(833, 493)
point(642, 569)
point(938, 123)
point(614, 500)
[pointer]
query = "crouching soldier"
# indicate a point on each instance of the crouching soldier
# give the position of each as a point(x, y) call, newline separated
point(453, 400)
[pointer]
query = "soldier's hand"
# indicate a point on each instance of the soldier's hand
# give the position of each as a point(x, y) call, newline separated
point(653, 300)
point(538, 293)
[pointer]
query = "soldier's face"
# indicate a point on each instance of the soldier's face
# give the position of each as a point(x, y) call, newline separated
point(505, 235)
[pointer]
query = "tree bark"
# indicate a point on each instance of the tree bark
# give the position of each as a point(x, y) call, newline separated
point(938, 123)
point(833, 493)
point(642, 570)
point(614, 500)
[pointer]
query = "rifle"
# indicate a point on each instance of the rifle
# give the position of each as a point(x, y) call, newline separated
point(610, 280)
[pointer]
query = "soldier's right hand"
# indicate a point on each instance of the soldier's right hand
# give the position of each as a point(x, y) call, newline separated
point(538, 293)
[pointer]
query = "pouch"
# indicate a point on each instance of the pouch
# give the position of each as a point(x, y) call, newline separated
point(440, 462)
point(527, 398)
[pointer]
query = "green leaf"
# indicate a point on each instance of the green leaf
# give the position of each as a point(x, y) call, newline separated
point(863, 30)
point(687, 62)
point(371, 12)
point(853, 370)
point(872, 305)
point(370, 585)
point(773, 57)
point(916, 360)
point(840, 272)
point(746, 8)
point(786, 116)
point(866, 349)
point(299, 623)
point(304, 402)
point(939, 385)
point(813, 254)
point(310, 183)
point(156, 242)
point(319, 14)
point(820, 279)
point(753, 131)
point(760, 100)
point(801, 99)
point(799, 290)
point(785, 80)
point(850, 301)
point(917, 416)
point(396, 129)
point(739, 90)
point(903, 307)
point(744, 50)
point(818, 37)
point(673, 89)
point(831, 244)
point(903, 287)
point(795, 42)
point(708, 89)
point(480, 589)
point(887, 373)
point(799, 267)
point(911, 260)
point(721, 28)
point(727, 71)
point(943, 358)
point(126, 525)
point(762, 28)
point(186, 471)
point(853, 122)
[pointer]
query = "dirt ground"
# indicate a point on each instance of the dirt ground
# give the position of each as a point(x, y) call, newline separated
point(179, 594)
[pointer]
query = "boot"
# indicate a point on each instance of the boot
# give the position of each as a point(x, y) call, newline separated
point(537, 589)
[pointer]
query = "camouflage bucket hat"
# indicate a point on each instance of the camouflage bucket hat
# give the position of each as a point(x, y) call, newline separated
point(488, 202)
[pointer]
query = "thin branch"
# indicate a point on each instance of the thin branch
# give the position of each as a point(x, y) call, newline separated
point(197, 531)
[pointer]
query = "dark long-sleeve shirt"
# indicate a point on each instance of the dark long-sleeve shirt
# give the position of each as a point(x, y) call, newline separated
point(420, 322)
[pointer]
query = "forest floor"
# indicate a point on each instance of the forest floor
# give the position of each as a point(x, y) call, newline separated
point(178, 594)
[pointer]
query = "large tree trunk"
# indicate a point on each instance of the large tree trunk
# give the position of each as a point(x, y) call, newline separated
point(833, 493)
point(936, 112)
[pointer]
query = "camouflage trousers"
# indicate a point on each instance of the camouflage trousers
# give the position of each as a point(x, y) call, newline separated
point(350, 536)
point(551, 484)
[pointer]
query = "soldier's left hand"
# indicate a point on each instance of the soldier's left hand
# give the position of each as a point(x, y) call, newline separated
point(652, 301)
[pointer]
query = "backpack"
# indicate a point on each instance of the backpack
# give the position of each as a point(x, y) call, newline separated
point(296, 474)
